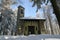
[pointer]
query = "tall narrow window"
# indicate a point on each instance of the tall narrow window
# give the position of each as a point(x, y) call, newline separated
point(0, 17)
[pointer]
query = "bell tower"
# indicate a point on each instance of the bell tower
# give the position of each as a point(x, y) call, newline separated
point(20, 14)
point(20, 11)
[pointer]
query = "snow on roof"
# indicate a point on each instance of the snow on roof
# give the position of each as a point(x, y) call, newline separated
point(33, 18)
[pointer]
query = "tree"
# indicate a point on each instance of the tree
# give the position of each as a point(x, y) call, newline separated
point(7, 22)
point(7, 3)
point(56, 10)
point(54, 4)
point(38, 3)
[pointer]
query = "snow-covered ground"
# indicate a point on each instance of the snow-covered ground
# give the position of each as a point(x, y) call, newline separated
point(31, 37)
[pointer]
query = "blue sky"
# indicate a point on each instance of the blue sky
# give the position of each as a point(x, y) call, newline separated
point(29, 10)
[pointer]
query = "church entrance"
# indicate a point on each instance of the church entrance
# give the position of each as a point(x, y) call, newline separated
point(31, 30)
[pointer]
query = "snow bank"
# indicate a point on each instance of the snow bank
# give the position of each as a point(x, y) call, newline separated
point(31, 37)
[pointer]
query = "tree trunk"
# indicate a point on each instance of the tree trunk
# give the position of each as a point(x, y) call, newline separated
point(56, 10)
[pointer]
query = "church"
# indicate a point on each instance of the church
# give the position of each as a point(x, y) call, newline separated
point(29, 25)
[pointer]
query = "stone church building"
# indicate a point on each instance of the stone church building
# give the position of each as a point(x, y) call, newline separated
point(29, 25)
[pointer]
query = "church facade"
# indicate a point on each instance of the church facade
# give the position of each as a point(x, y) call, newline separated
point(29, 25)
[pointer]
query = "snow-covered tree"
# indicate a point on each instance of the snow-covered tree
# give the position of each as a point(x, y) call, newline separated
point(8, 24)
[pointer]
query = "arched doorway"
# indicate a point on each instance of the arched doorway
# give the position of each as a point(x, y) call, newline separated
point(31, 29)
